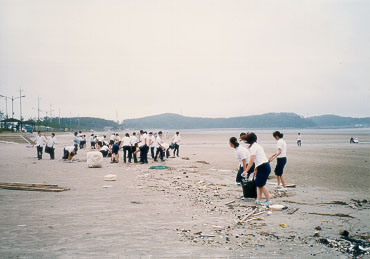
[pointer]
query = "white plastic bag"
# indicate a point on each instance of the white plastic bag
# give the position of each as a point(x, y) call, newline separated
point(94, 159)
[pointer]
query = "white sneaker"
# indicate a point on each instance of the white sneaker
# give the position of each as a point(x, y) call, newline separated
point(238, 184)
point(283, 189)
point(257, 202)
point(278, 187)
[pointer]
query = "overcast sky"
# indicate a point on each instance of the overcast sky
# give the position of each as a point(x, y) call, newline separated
point(125, 59)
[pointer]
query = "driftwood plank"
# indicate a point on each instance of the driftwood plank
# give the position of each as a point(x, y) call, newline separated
point(33, 187)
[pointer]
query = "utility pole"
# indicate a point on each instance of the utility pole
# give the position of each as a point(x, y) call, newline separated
point(6, 104)
point(38, 108)
point(59, 115)
point(20, 105)
point(50, 118)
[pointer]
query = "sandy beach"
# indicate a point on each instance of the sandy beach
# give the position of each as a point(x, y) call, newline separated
point(185, 211)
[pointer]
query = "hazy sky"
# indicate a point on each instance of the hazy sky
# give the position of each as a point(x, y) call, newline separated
point(209, 58)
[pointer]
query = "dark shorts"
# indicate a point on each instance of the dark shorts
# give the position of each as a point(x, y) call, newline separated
point(111, 142)
point(100, 144)
point(263, 172)
point(279, 169)
point(115, 149)
point(92, 144)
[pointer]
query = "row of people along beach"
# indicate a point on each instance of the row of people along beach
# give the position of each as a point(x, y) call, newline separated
point(254, 165)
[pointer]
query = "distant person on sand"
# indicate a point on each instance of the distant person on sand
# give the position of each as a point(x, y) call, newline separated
point(51, 142)
point(126, 147)
point(115, 152)
point(242, 154)
point(92, 141)
point(281, 159)
point(134, 145)
point(76, 141)
point(262, 170)
point(152, 144)
point(111, 139)
point(69, 152)
point(176, 141)
point(299, 140)
point(160, 148)
point(40, 141)
point(104, 151)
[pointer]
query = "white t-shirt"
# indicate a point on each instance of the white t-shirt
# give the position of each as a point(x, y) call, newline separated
point(70, 149)
point(242, 153)
point(176, 139)
point(133, 140)
point(165, 145)
point(282, 145)
point(91, 139)
point(126, 141)
point(299, 137)
point(52, 142)
point(159, 141)
point(257, 150)
point(243, 144)
point(152, 138)
point(112, 137)
point(105, 148)
point(40, 141)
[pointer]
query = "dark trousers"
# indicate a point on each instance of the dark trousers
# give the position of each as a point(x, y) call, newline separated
point(144, 150)
point(299, 143)
point(160, 152)
point(52, 153)
point(133, 150)
point(152, 152)
point(177, 148)
point(127, 153)
point(39, 152)
point(76, 148)
point(239, 176)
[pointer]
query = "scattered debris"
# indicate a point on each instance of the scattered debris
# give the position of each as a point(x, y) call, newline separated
point(277, 207)
point(283, 225)
point(344, 233)
point(335, 202)
point(331, 215)
point(186, 158)
point(316, 234)
point(33, 187)
point(292, 211)
point(159, 167)
point(318, 228)
point(135, 202)
point(347, 245)
point(203, 162)
point(110, 177)
point(94, 159)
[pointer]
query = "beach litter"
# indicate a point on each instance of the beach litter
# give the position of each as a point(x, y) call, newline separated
point(94, 159)
point(159, 167)
point(278, 207)
point(33, 187)
point(110, 177)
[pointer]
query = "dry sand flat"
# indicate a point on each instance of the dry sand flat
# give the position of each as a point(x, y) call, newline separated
point(182, 212)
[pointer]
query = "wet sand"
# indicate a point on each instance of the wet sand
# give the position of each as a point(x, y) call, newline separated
point(158, 213)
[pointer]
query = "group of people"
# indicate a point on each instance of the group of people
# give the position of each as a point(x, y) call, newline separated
point(253, 160)
point(132, 146)
point(49, 143)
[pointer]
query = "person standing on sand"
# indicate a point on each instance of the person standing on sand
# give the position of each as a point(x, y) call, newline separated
point(299, 140)
point(126, 147)
point(40, 141)
point(176, 141)
point(151, 144)
point(281, 159)
point(92, 141)
point(133, 139)
point(160, 148)
point(115, 152)
point(242, 154)
point(262, 170)
point(76, 141)
point(51, 142)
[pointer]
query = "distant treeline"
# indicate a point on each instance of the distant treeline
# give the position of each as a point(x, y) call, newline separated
point(269, 120)
point(175, 121)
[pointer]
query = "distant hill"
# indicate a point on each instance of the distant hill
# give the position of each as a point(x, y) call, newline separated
point(338, 121)
point(175, 121)
point(84, 123)
point(268, 120)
